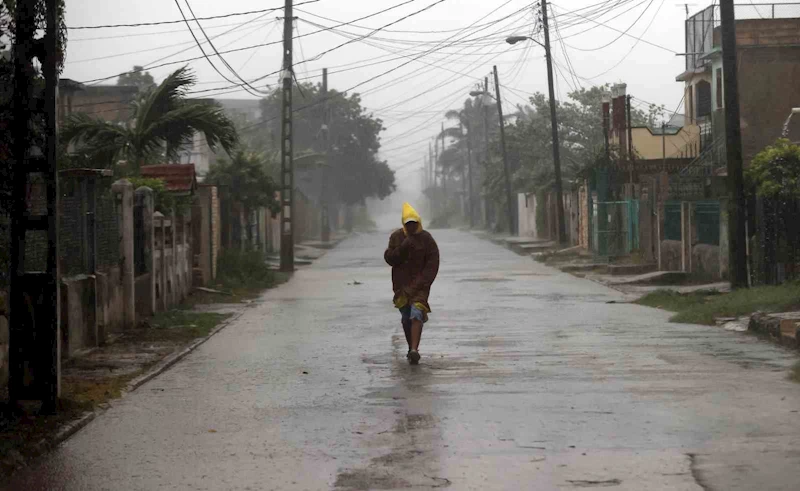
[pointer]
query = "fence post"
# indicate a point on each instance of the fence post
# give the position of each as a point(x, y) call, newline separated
point(686, 236)
point(145, 203)
point(123, 193)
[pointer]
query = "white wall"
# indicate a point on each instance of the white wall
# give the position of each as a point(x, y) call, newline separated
point(527, 215)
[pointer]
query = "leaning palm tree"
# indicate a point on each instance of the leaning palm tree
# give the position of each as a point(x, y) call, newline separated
point(162, 121)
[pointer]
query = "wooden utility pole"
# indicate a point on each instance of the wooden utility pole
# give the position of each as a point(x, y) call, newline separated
point(444, 173)
point(509, 205)
point(737, 238)
point(287, 165)
point(325, 221)
point(562, 230)
point(486, 203)
point(469, 170)
point(34, 300)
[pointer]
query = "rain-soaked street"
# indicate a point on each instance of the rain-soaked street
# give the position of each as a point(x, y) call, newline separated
point(529, 379)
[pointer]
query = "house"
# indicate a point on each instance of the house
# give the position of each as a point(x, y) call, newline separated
point(768, 53)
point(110, 103)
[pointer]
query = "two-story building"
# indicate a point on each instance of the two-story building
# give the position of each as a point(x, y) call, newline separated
point(768, 55)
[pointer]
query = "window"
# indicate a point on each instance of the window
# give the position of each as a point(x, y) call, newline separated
point(703, 99)
point(719, 88)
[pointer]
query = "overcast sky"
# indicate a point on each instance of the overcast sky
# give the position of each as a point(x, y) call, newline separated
point(442, 60)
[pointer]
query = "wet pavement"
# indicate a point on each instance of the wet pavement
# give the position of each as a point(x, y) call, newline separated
point(529, 380)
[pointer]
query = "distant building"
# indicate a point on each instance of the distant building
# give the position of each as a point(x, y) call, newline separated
point(110, 103)
point(248, 109)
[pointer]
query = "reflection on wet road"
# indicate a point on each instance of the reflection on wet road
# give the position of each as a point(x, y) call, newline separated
point(529, 380)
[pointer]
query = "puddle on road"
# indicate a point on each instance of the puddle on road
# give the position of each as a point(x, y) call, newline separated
point(484, 280)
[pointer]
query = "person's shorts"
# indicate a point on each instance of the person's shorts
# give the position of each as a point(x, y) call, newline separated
point(411, 312)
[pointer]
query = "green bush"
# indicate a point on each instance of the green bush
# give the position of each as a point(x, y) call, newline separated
point(244, 270)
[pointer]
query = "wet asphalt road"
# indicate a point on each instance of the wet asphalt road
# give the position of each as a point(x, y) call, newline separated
point(529, 380)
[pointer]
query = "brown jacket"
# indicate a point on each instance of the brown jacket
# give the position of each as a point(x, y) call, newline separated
point(415, 263)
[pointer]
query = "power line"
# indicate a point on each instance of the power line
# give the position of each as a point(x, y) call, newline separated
point(622, 33)
point(161, 23)
point(224, 62)
point(636, 43)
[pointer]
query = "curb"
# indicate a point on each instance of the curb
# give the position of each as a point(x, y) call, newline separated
point(175, 357)
point(71, 428)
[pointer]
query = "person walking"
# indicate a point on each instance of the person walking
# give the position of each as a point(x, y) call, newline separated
point(414, 258)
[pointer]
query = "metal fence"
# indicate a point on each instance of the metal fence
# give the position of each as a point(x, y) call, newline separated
point(707, 218)
point(615, 227)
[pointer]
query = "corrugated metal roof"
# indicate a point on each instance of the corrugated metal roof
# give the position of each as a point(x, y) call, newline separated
point(178, 178)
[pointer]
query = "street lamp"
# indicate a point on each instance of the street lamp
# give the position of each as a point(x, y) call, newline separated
point(785, 132)
point(562, 230)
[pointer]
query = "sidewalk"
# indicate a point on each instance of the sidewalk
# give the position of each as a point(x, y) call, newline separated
point(94, 379)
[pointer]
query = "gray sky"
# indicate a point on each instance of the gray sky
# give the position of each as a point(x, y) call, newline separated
point(412, 99)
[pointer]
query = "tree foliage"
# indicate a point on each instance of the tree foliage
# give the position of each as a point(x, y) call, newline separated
point(529, 140)
point(246, 175)
point(137, 78)
point(356, 172)
point(775, 171)
point(163, 120)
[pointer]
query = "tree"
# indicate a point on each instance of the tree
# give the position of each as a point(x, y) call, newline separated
point(775, 171)
point(245, 176)
point(353, 138)
point(138, 78)
point(162, 121)
point(245, 173)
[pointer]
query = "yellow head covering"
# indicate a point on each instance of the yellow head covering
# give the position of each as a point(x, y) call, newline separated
point(410, 215)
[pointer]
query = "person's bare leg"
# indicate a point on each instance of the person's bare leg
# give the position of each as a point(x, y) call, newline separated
point(407, 332)
point(416, 334)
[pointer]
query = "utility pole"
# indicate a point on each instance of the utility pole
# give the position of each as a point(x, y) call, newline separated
point(510, 206)
point(630, 137)
point(325, 222)
point(287, 165)
point(486, 203)
point(562, 231)
point(737, 238)
point(444, 173)
point(34, 300)
point(471, 206)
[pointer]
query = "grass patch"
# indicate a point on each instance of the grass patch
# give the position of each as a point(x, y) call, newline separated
point(180, 326)
point(246, 270)
point(701, 307)
point(794, 375)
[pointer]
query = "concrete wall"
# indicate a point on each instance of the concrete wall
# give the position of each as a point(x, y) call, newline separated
point(78, 314)
point(671, 255)
point(527, 215)
point(110, 303)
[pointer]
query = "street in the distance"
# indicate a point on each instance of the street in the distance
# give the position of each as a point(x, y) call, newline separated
point(529, 379)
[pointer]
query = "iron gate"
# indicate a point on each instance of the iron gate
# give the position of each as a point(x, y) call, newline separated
point(615, 227)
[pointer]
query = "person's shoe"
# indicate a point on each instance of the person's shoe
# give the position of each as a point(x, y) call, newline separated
point(413, 357)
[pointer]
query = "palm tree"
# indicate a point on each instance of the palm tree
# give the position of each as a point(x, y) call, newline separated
point(162, 121)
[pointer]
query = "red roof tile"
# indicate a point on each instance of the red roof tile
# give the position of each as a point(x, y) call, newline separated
point(178, 178)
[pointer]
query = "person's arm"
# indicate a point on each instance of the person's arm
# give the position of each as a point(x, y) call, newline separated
point(431, 267)
point(395, 254)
